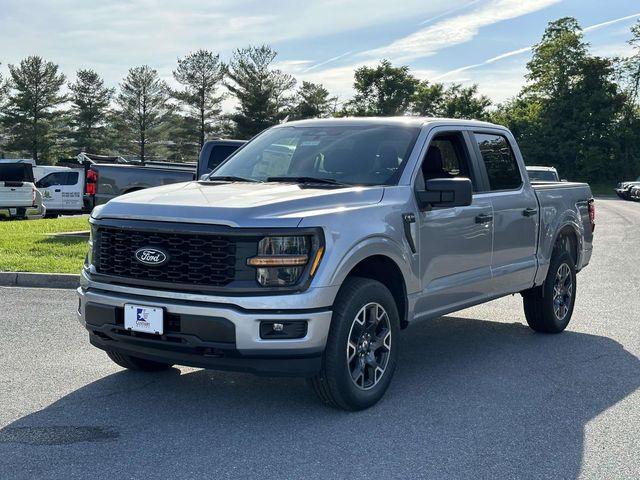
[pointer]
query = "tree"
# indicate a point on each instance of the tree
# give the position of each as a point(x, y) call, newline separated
point(260, 89)
point(566, 114)
point(31, 109)
point(200, 73)
point(455, 101)
point(312, 101)
point(384, 90)
point(629, 127)
point(4, 87)
point(143, 107)
point(90, 101)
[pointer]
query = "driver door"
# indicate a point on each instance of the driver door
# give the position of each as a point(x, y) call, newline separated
point(51, 188)
point(455, 243)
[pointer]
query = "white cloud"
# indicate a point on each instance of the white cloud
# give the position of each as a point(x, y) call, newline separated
point(456, 30)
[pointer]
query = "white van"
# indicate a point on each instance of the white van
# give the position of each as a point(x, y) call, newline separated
point(62, 189)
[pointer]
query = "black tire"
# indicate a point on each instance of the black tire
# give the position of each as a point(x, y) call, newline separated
point(135, 363)
point(334, 384)
point(546, 312)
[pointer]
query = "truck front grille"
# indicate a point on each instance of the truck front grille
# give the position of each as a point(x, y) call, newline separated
point(195, 259)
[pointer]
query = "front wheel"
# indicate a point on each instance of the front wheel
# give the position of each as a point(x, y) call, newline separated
point(362, 346)
point(548, 308)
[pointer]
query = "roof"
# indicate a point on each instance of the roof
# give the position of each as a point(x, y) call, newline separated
point(406, 120)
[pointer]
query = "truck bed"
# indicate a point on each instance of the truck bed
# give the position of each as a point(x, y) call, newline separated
point(563, 204)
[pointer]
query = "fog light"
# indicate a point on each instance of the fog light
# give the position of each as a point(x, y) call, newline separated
point(270, 330)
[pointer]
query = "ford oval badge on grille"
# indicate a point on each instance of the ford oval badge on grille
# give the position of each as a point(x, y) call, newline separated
point(151, 256)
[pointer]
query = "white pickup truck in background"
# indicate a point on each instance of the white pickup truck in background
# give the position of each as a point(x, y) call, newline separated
point(19, 197)
point(62, 189)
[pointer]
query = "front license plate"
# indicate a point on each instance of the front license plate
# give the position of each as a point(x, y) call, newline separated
point(143, 319)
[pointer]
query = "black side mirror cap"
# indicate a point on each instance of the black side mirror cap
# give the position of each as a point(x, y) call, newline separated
point(446, 192)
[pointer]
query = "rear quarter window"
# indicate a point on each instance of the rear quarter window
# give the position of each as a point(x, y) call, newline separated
point(500, 162)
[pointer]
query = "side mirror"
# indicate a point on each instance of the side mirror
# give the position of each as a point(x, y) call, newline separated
point(446, 192)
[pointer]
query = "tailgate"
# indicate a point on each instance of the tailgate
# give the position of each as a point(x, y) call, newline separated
point(15, 194)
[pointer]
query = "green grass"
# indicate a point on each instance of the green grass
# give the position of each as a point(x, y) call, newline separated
point(26, 247)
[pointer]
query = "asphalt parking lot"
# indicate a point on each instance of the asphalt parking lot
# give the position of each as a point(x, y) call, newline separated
point(477, 395)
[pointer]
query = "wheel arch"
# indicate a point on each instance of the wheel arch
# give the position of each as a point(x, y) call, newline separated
point(383, 269)
point(568, 238)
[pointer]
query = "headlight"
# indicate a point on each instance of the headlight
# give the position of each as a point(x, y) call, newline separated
point(282, 260)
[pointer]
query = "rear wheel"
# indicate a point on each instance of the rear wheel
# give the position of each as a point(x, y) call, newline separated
point(360, 357)
point(548, 308)
point(136, 363)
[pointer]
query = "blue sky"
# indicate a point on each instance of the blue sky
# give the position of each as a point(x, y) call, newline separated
point(467, 41)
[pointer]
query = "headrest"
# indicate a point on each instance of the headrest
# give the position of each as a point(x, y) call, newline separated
point(340, 160)
point(433, 160)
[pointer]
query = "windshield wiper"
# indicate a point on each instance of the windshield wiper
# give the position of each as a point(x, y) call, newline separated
point(230, 178)
point(328, 181)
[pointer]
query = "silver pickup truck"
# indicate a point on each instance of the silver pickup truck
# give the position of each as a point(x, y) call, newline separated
point(308, 250)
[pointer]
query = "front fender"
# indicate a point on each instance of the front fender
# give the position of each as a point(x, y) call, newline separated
point(376, 246)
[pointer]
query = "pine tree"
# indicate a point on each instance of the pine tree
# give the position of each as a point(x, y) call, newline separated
point(90, 101)
point(32, 107)
point(200, 73)
point(261, 90)
point(144, 107)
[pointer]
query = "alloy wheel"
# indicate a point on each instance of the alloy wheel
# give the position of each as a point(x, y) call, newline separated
point(369, 346)
point(562, 292)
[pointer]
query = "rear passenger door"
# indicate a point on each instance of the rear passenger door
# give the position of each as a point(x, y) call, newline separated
point(515, 212)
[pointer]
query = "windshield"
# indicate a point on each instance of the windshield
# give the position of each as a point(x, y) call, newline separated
point(543, 175)
point(344, 154)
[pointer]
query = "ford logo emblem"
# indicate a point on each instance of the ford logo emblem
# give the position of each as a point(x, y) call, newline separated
point(151, 256)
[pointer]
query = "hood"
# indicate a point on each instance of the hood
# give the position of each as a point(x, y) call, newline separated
point(237, 204)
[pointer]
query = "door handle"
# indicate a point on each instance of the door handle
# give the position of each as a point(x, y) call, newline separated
point(484, 218)
point(529, 212)
point(57, 190)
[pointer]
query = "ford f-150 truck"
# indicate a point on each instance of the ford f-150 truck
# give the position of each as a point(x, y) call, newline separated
point(309, 249)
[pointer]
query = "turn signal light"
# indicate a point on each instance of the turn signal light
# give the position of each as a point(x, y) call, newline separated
point(278, 261)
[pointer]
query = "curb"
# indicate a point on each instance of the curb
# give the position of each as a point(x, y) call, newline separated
point(39, 280)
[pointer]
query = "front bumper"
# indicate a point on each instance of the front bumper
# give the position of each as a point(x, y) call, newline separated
point(208, 335)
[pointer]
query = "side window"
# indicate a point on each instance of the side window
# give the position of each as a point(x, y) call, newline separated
point(500, 162)
point(48, 180)
point(447, 157)
point(71, 178)
point(58, 178)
